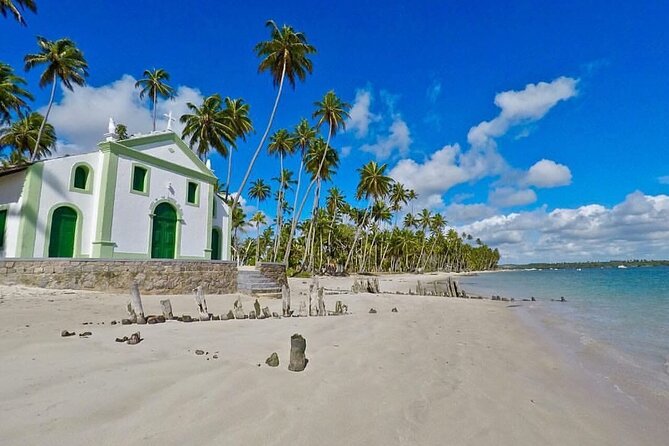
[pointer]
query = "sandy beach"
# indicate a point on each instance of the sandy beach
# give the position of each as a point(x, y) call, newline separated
point(440, 371)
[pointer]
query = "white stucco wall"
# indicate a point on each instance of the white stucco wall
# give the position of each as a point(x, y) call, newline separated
point(168, 152)
point(56, 180)
point(11, 187)
point(132, 224)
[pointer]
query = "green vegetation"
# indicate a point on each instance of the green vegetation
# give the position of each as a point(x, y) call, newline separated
point(339, 237)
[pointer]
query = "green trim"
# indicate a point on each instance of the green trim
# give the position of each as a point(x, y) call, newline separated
point(173, 137)
point(147, 179)
point(103, 247)
point(210, 221)
point(195, 203)
point(4, 213)
point(126, 149)
point(32, 191)
point(89, 178)
point(77, 231)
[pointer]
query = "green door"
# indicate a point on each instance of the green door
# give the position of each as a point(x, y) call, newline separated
point(164, 232)
point(215, 245)
point(3, 220)
point(63, 231)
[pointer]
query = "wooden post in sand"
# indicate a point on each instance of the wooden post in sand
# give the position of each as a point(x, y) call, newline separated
point(311, 291)
point(321, 302)
point(166, 305)
point(135, 306)
point(297, 347)
point(285, 300)
point(201, 304)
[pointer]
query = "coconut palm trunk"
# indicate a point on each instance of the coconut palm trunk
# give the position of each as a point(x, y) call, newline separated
point(46, 116)
point(262, 140)
point(357, 235)
point(293, 226)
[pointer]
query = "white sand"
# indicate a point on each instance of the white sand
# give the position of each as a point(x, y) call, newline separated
point(439, 372)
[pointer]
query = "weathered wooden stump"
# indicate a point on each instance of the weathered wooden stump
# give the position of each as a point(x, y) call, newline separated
point(166, 305)
point(298, 361)
point(321, 302)
point(266, 313)
point(256, 307)
point(135, 308)
point(238, 310)
point(201, 304)
point(285, 300)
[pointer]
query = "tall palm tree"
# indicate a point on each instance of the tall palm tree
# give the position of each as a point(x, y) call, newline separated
point(12, 96)
point(258, 219)
point(22, 137)
point(313, 165)
point(285, 55)
point(424, 220)
point(10, 6)
point(154, 85)
point(207, 127)
point(64, 62)
point(260, 191)
point(280, 143)
point(304, 136)
point(437, 226)
point(237, 114)
point(374, 184)
point(331, 111)
point(398, 196)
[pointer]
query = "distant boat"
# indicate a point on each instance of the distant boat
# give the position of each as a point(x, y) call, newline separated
point(578, 269)
point(622, 267)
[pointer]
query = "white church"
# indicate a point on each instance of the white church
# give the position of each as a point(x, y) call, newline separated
point(146, 197)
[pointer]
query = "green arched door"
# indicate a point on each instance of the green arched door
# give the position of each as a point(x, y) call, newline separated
point(63, 232)
point(164, 232)
point(215, 244)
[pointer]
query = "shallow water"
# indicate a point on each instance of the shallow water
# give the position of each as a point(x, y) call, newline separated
point(626, 309)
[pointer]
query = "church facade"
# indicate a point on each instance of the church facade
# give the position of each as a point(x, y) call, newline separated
point(146, 197)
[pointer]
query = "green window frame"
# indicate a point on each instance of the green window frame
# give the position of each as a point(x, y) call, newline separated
point(3, 225)
point(81, 178)
point(193, 193)
point(140, 179)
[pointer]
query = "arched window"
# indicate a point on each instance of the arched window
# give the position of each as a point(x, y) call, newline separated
point(81, 178)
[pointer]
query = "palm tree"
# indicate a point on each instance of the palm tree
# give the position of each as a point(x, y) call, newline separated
point(237, 114)
point(64, 62)
point(22, 137)
point(121, 131)
point(208, 127)
point(331, 111)
point(9, 6)
point(374, 184)
point(12, 96)
point(398, 196)
point(280, 143)
point(304, 136)
point(258, 219)
point(285, 55)
point(436, 227)
point(154, 85)
point(260, 191)
point(313, 165)
point(424, 221)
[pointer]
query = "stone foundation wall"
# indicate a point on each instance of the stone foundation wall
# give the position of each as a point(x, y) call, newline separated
point(153, 276)
point(274, 271)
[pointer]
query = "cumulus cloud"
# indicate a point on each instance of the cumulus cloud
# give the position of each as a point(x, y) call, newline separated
point(509, 197)
point(81, 116)
point(547, 173)
point(638, 227)
point(398, 139)
point(360, 115)
point(663, 179)
point(519, 107)
point(459, 214)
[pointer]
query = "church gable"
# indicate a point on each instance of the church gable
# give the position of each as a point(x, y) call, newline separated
point(169, 147)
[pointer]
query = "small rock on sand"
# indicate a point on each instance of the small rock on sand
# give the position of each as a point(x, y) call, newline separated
point(126, 321)
point(85, 334)
point(372, 311)
point(394, 310)
point(199, 352)
point(134, 339)
point(66, 333)
point(123, 339)
point(273, 360)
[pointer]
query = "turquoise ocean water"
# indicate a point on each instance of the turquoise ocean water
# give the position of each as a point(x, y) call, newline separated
point(627, 309)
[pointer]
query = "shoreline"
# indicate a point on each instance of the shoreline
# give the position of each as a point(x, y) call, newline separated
point(440, 371)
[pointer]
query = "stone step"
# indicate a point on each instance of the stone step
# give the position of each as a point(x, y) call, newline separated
point(269, 289)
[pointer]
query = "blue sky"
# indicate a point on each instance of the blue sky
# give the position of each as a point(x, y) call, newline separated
point(559, 110)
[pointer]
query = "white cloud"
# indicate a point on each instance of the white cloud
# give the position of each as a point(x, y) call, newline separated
point(81, 116)
point(360, 116)
point(458, 213)
point(663, 179)
point(547, 173)
point(638, 227)
point(433, 91)
point(446, 168)
point(398, 139)
point(346, 151)
point(509, 197)
point(518, 107)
